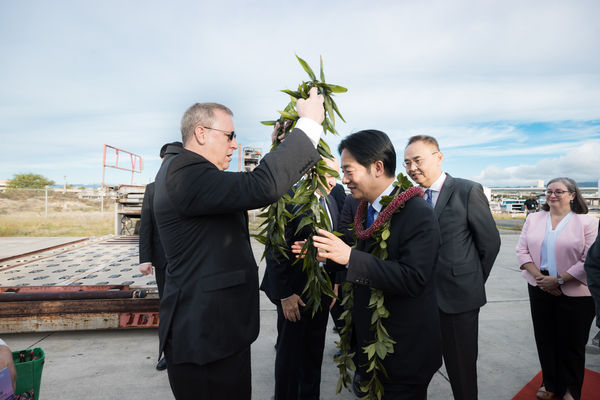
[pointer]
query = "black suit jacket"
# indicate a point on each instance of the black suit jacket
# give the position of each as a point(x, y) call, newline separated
point(470, 244)
point(347, 219)
point(407, 280)
point(282, 276)
point(210, 304)
point(592, 269)
point(150, 246)
point(339, 194)
point(149, 241)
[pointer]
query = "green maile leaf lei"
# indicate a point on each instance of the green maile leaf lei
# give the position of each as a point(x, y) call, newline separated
point(305, 202)
point(383, 344)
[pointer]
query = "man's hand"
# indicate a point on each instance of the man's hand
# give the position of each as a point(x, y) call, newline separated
point(146, 268)
point(312, 107)
point(297, 249)
point(336, 289)
point(6, 360)
point(291, 311)
point(276, 129)
point(332, 247)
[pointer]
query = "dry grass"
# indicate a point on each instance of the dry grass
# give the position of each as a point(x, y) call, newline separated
point(23, 213)
point(505, 215)
point(76, 223)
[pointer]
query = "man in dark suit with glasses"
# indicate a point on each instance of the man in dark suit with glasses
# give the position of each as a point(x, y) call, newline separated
point(210, 308)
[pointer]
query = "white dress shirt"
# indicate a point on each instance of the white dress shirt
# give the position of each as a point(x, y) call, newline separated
point(312, 129)
point(436, 187)
point(376, 204)
point(549, 244)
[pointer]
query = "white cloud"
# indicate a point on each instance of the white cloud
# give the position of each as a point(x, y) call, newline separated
point(76, 75)
point(579, 163)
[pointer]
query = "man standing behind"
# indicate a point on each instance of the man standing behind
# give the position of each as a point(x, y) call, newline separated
point(210, 309)
point(405, 277)
point(531, 205)
point(151, 251)
point(300, 335)
point(469, 245)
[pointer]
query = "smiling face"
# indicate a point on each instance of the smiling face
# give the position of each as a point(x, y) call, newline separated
point(423, 162)
point(215, 144)
point(358, 178)
point(562, 202)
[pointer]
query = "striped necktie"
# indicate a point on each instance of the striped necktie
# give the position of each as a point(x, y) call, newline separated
point(429, 197)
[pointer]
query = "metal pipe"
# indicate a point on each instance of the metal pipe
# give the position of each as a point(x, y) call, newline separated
point(83, 295)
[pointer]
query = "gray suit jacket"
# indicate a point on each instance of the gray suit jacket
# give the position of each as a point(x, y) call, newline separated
point(470, 244)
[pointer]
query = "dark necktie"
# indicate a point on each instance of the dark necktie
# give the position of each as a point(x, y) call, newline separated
point(370, 216)
point(429, 197)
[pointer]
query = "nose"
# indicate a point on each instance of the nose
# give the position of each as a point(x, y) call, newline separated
point(234, 143)
point(345, 180)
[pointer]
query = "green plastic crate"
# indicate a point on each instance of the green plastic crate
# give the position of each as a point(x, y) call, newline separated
point(29, 372)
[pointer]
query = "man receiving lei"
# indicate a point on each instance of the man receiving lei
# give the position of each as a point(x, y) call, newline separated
point(394, 309)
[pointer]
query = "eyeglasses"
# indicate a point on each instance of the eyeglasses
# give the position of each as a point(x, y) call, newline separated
point(557, 193)
point(230, 135)
point(418, 161)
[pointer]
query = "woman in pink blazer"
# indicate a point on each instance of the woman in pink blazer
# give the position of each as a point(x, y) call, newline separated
point(551, 253)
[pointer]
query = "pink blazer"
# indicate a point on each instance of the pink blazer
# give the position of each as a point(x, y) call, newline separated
point(571, 249)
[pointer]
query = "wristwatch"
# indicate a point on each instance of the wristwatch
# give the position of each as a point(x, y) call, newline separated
point(560, 280)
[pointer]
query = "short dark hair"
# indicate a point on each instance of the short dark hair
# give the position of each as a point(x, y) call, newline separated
point(369, 146)
point(424, 138)
point(163, 150)
point(578, 205)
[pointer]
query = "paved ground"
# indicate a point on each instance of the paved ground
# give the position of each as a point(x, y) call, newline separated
point(120, 364)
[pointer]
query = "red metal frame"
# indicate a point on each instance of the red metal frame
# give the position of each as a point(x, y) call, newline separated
point(134, 159)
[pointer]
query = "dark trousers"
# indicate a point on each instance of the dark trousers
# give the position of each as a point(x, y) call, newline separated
point(226, 379)
point(561, 325)
point(460, 349)
point(159, 273)
point(405, 392)
point(299, 355)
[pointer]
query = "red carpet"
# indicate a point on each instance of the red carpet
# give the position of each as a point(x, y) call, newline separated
point(590, 391)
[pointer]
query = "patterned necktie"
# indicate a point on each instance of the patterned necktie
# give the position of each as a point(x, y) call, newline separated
point(429, 197)
point(370, 216)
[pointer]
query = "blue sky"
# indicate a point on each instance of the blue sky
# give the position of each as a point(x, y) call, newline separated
point(510, 89)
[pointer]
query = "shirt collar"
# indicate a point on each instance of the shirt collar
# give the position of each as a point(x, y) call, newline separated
point(377, 205)
point(439, 182)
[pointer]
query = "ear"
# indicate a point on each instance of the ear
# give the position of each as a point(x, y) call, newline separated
point(378, 168)
point(440, 156)
point(200, 134)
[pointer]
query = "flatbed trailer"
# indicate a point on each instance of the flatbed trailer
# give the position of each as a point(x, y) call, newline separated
point(90, 284)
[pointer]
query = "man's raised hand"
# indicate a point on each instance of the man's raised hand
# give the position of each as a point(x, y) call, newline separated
point(312, 107)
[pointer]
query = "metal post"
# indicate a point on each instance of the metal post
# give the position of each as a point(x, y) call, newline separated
point(117, 230)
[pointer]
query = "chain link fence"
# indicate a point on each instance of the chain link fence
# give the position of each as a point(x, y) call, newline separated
point(56, 212)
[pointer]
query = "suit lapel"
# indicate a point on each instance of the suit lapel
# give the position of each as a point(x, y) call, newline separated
point(445, 194)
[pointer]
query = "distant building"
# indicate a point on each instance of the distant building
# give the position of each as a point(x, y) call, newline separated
point(540, 183)
point(3, 183)
point(251, 158)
